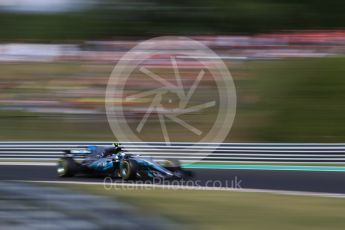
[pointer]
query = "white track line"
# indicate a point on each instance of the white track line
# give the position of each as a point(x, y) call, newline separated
point(215, 155)
point(173, 147)
point(28, 163)
point(174, 187)
point(52, 162)
point(225, 159)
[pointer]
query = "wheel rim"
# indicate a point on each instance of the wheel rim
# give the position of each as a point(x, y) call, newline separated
point(61, 169)
point(124, 171)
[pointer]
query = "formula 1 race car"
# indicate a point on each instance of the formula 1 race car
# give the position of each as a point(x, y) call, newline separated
point(115, 162)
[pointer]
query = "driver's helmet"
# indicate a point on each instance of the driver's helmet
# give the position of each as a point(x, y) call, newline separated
point(117, 147)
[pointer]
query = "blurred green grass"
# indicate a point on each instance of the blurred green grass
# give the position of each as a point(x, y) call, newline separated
point(300, 100)
point(231, 210)
point(289, 100)
point(19, 125)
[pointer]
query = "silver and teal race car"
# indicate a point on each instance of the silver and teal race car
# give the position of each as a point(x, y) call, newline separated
point(115, 162)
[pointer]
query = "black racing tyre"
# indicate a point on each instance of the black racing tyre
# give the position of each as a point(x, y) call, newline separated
point(128, 169)
point(67, 167)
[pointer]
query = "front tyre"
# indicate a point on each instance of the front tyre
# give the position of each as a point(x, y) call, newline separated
point(66, 167)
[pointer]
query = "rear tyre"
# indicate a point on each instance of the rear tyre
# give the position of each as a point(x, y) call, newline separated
point(128, 170)
point(67, 167)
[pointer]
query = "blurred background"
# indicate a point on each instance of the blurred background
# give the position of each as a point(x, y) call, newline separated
point(286, 58)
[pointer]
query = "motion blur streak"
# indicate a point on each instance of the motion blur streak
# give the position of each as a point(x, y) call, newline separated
point(268, 153)
point(309, 181)
point(28, 206)
point(287, 62)
point(56, 90)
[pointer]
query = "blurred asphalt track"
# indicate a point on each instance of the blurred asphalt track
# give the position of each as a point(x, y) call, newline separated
point(309, 181)
point(31, 207)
